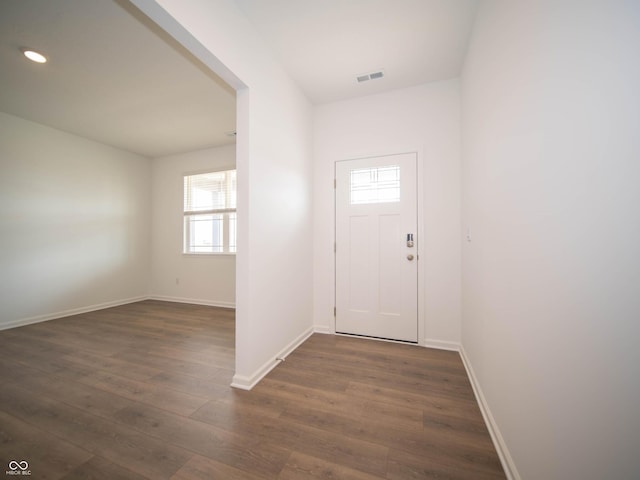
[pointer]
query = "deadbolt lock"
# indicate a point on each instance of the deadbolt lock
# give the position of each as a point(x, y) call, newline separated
point(409, 240)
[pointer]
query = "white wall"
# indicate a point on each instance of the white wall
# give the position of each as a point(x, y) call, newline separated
point(551, 277)
point(204, 279)
point(74, 223)
point(274, 260)
point(425, 119)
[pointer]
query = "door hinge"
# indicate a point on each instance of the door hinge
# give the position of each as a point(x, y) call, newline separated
point(334, 183)
point(334, 311)
point(335, 247)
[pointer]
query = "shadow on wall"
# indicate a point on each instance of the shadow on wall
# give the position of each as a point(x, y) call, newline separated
point(69, 262)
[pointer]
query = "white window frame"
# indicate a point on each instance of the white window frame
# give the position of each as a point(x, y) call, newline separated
point(227, 213)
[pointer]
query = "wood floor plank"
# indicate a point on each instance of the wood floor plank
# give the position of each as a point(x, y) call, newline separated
point(342, 403)
point(97, 468)
point(48, 456)
point(431, 401)
point(444, 384)
point(210, 388)
point(469, 421)
point(46, 359)
point(112, 365)
point(300, 376)
point(182, 367)
point(119, 444)
point(324, 444)
point(248, 453)
point(387, 434)
point(306, 467)
point(402, 417)
point(434, 465)
point(146, 393)
point(142, 392)
point(208, 357)
point(231, 411)
point(16, 341)
point(289, 393)
point(395, 361)
point(58, 388)
point(72, 338)
point(201, 468)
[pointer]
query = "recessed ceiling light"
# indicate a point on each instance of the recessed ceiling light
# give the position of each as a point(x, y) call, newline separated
point(34, 56)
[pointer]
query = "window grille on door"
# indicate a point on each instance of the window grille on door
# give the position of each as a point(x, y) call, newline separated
point(375, 185)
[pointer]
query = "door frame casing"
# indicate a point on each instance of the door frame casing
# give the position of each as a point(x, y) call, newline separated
point(420, 241)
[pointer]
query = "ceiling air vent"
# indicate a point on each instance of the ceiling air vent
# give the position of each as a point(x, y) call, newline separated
point(370, 76)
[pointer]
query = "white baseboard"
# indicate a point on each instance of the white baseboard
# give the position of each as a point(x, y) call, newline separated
point(248, 382)
point(100, 306)
point(501, 447)
point(441, 344)
point(67, 313)
point(193, 301)
point(322, 329)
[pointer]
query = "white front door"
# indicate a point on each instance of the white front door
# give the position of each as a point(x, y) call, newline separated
point(376, 247)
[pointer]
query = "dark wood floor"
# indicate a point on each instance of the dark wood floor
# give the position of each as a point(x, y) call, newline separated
point(142, 391)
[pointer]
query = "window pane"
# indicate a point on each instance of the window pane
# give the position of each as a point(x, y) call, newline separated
point(204, 233)
point(375, 185)
point(210, 191)
point(231, 189)
point(209, 212)
point(232, 232)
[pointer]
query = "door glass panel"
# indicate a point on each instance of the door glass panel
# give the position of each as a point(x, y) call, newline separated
point(375, 185)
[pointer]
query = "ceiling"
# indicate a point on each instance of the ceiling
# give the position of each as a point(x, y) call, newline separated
point(112, 76)
point(115, 77)
point(325, 44)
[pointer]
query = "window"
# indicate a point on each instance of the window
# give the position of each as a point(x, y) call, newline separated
point(210, 212)
point(375, 185)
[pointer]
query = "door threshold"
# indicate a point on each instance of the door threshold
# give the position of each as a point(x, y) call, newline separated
point(382, 339)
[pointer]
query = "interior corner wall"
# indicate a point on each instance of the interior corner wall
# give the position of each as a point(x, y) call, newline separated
point(424, 119)
point(274, 154)
point(551, 276)
point(201, 279)
point(74, 223)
